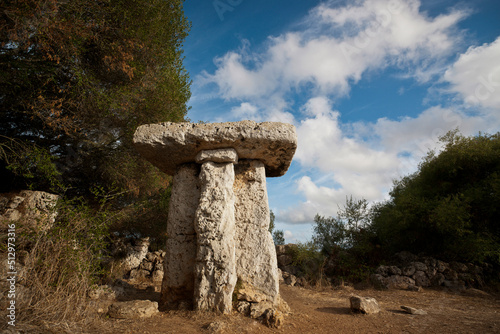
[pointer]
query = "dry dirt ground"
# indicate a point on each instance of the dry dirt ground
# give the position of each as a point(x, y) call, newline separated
point(327, 311)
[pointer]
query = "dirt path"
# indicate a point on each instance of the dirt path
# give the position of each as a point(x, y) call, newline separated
point(327, 311)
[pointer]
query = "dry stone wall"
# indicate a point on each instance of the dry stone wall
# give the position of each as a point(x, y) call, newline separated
point(411, 272)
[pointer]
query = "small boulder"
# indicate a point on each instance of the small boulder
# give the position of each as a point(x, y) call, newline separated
point(442, 266)
point(419, 266)
point(138, 274)
point(280, 276)
point(438, 279)
point(273, 318)
point(382, 271)
point(243, 307)
point(284, 260)
point(378, 281)
point(216, 327)
point(399, 282)
point(133, 309)
point(393, 270)
point(146, 265)
point(450, 274)
point(289, 279)
point(408, 270)
point(249, 293)
point(366, 305)
point(258, 309)
point(157, 275)
point(151, 256)
point(459, 267)
point(421, 279)
point(412, 310)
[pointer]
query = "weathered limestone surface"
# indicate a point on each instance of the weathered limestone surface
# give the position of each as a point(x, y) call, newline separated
point(412, 310)
point(180, 257)
point(219, 213)
point(133, 309)
point(37, 209)
point(366, 305)
point(167, 145)
point(220, 155)
point(215, 270)
point(255, 252)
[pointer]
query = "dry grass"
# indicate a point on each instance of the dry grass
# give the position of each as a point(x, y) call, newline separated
point(55, 273)
point(56, 281)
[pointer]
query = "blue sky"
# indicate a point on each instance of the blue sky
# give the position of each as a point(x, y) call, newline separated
point(369, 85)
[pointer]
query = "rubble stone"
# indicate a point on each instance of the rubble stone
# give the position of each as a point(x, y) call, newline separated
point(366, 305)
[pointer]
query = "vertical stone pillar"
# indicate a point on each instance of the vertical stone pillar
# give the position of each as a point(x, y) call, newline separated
point(178, 280)
point(226, 215)
point(215, 271)
point(256, 262)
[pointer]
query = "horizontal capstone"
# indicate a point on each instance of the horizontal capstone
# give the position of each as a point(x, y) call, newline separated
point(168, 145)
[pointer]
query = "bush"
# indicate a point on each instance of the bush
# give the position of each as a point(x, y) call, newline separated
point(449, 208)
point(309, 262)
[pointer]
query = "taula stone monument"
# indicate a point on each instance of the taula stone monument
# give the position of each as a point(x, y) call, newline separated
point(219, 249)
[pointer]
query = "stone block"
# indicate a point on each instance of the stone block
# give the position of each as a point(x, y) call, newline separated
point(215, 269)
point(168, 145)
point(366, 305)
point(218, 155)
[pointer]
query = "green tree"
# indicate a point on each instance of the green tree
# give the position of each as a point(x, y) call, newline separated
point(278, 235)
point(355, 214)
point(329, 233)
point(449, 207)
point(345, 230)
point(347, 241)
point(76, 79)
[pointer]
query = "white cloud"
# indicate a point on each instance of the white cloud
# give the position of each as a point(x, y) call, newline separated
point(362, 159)
point(476, 75)
point(275, 112)
point(246, 110)
point(338, 46)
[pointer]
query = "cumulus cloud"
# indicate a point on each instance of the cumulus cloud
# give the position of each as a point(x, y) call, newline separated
point(476, 75)
point(336, 48)
point(362, 159)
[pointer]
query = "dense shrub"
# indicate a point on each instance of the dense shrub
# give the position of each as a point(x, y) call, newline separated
point(449, 207)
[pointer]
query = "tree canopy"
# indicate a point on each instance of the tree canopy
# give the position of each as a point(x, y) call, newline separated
point(76, 79)
point(450, 206)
